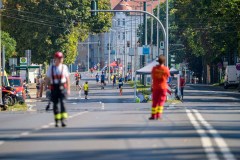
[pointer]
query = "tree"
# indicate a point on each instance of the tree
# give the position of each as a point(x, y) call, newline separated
point(10, 45)
point(209, 31)
point(46, 26)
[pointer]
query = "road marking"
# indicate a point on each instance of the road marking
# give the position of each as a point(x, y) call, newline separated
point(25, 133)
point(78, 114)
point(206, 141)
point(1, 143)
point(218, 139)
point(45, 126)
point(42, 127)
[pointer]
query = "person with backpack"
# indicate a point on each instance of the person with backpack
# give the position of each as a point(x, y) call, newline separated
point(58, 78)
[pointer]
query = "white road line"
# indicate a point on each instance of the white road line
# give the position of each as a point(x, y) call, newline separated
point(206, 141)
point(42, 127)
point(25, 133)
point(45, 126)
point(218, 139)
point(78, 114)
point(1, 143)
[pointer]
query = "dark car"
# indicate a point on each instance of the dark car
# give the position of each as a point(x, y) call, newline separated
point(17, 84)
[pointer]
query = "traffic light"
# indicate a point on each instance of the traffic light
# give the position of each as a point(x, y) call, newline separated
point(128, 43)
point(162, 45)
point(94, 6)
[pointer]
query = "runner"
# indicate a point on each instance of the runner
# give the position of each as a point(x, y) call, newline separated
point(97, 78)
point(114, 80)
point(77, 80)
point(102, 80)
point(120, 85)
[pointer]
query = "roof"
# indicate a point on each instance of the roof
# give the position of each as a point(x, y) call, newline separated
point(134, 4)
point(148, 68)
point(14, 77)
point(122, 5)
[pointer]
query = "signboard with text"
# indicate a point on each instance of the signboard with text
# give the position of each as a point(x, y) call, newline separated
point(23, 61)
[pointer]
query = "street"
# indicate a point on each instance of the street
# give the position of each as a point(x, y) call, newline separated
point(108, 126)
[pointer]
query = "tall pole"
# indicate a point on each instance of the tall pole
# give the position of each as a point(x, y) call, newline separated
point(166, 34)
point(88, 52)
point(109, 56)
point(158, 16)
point(3, 63)
point(145, 37)
point(131, 53)
point(1, 102)
point(151, 43)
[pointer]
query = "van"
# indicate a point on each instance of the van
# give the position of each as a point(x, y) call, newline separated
point(231, 77)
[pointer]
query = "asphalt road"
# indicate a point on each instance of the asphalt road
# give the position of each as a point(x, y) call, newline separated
point(111, 127)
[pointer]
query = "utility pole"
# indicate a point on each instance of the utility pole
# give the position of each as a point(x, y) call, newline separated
point(167, 40)
point(158, 16)
point(1, 102)
point(151, 43)
point(109, 56)
point(144, 36)
point(88, 53)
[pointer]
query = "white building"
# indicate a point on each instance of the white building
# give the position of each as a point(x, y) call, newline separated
point(122, 36)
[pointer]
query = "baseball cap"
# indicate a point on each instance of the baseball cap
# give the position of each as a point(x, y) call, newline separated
point(58, 55)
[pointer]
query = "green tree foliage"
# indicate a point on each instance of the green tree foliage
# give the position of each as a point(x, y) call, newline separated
point(208, 29)
point(9, 43)
point(47, 26)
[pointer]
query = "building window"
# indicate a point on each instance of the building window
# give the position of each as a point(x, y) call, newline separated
point(118, 22)
point(119, 35)
point(123, 21)
point(123, 35)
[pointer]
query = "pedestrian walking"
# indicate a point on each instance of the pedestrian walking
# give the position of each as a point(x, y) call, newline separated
point(38, 86)
point(58, 77)
point(85, 87)
point(182, 85)
point(160, 74)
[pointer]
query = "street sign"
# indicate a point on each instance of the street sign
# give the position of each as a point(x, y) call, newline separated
point(146, 50)
point(113, 52)
point(23, 61)
point(131, 51)
point(98, 64)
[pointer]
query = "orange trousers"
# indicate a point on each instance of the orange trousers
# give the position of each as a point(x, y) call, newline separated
point(158, 100)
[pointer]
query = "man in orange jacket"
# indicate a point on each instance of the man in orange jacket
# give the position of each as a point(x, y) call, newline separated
point(160, 74)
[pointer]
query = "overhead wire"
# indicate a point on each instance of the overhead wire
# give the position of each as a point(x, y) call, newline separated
point(32, 21)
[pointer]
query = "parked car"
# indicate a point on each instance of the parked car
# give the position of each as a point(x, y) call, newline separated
point(17, 84)
point(231, 76)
